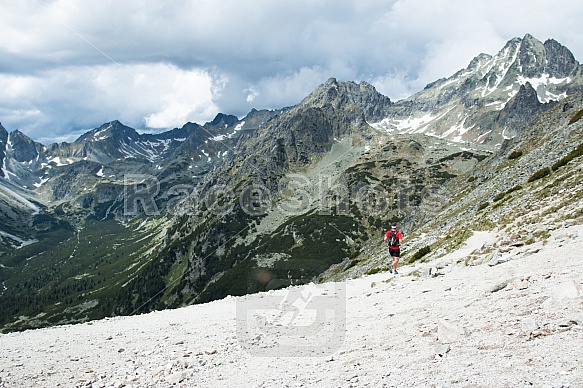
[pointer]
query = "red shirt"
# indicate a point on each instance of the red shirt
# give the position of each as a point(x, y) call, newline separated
point(399, 238)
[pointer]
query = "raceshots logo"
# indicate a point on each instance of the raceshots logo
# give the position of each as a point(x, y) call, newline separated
point(299, 321)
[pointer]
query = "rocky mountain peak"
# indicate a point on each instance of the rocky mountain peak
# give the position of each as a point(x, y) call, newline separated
point(114, 129)
point(3, 134)
point(526, 97)
point(341, 94)
point(550, 58)
point(325, 93)
point(532, 57)
point(528, 39)
point(224, 120)
point(478, 61)
point(560, 60)
point(520, 110)
point(510, 48)
point(23, 148)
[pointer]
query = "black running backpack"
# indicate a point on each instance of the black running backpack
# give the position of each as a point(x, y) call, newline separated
point(393, 241)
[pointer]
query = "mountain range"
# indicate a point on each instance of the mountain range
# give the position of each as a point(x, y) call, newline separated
point(119, 223)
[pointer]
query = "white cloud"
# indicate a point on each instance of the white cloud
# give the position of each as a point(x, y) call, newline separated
point(188, 98)
point(294, 87)
point(395, 85)
point(252, 94)
point(153, 95)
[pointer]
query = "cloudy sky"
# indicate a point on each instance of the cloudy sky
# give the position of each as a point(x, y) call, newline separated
point(67, 66)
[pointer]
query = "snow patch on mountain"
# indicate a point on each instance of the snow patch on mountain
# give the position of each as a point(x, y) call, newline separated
point(101, 134)
point(457, 131)
point(501, 64)
point(148, 149)
point(237, 128)
point(20, 241)
point(57, 160)
point(8, 174)
point(410, 124)
point(540, 85)
point(5, 172)
point(42, 182)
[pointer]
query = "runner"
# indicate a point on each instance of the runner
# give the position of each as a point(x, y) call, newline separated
point(394, 238)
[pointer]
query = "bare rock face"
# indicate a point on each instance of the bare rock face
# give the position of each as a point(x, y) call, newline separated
point(342, 95)
point(23, 148)
point(3, 141)
point(561, 62)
